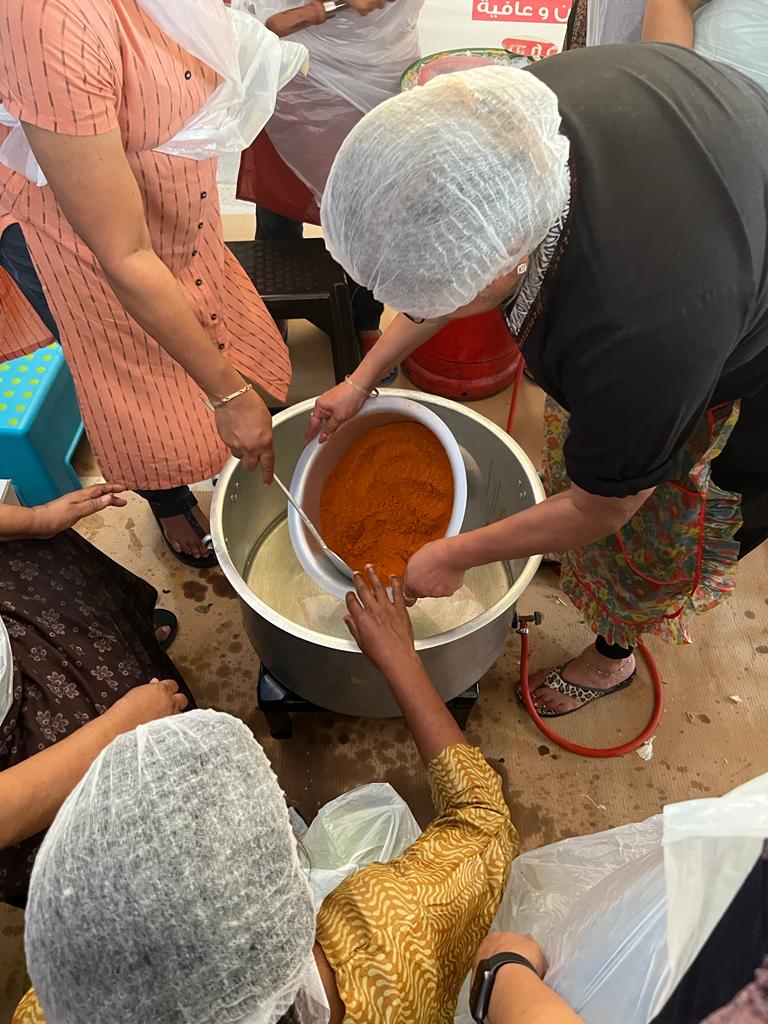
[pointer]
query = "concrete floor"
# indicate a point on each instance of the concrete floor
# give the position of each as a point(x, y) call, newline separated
point(705, 745)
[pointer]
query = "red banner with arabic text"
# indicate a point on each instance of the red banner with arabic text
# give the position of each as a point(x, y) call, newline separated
point(540, 11)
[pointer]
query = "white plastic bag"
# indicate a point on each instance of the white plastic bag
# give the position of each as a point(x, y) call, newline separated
point(371, 823)
point(615, 21)
point(6, 672)
point(736, 33)
point(15, 152)
point(253, 63)
point(621, 915)
point(355, 63)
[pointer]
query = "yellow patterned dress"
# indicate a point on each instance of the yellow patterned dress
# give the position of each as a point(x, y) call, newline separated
point(401, 936)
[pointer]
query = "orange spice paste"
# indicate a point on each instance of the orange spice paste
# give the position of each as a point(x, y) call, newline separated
point(389, 494)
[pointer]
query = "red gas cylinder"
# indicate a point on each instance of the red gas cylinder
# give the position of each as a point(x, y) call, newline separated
point(474, 357)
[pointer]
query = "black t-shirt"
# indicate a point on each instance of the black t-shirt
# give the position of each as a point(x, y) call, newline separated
point(658, 306)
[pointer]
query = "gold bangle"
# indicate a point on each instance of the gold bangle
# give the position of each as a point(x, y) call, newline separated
point(373, 393)
point(216, 403)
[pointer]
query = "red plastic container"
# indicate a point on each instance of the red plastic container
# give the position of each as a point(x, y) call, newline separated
point(470, 358)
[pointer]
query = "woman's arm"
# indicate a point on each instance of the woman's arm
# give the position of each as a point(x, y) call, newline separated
point(32, 792)
point(519, 995)
point(341, 403)
point(565, 521)
point(382, 629)
point(285, 23)
point(98, 193)
point(670, 21)
point(20, 523)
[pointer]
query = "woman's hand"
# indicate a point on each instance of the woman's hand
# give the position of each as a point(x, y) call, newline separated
point(245, 427)
point(332, 409)
point(156, 699)
point(434, 571)
point(381, 627)
point(62, 514)
point(285, 23)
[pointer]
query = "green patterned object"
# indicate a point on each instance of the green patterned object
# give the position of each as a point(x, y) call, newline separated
point(447, 62)
point(23, 385)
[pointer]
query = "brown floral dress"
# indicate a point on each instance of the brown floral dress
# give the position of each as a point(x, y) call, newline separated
point(81, 634)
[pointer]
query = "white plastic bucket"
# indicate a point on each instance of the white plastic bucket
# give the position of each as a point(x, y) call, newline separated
point(318, 460)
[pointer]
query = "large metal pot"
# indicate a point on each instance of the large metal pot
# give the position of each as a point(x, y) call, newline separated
point(299, 634)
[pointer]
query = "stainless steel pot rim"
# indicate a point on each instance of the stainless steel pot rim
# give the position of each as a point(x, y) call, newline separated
point(321, 639)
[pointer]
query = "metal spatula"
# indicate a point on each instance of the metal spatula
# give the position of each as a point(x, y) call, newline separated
point(332, 557)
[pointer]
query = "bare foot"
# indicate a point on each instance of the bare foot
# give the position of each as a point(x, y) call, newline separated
point(162, 634)
point(182, 537)
point(588, 669)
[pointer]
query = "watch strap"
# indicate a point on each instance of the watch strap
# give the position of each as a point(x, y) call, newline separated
point(512, 958)
point(485, 976)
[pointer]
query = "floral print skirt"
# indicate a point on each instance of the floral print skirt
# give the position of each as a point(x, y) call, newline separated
point(81, 637)
point(676, 556)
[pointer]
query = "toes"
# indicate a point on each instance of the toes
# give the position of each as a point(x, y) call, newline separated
point(545, 699)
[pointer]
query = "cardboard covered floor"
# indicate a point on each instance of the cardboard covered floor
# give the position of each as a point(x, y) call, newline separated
point(706, 744)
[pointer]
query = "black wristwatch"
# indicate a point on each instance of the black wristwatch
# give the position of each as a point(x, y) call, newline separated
point(485, 975)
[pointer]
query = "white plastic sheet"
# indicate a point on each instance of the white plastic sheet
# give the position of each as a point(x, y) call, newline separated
point(253, 63)
point(371, 823)
point(615, 21)
point(621, 915)
point(355, 63)
point(6, 672)
point(736, 33)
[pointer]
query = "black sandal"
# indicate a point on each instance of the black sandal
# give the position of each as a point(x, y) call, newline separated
point(161, 618)
point(183, 507)
point(586, 694)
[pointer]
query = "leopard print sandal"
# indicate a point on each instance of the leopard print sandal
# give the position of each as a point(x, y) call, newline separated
point(586, 694)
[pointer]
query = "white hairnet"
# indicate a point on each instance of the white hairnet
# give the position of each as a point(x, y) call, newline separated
point(168, 889)
point(439, 191)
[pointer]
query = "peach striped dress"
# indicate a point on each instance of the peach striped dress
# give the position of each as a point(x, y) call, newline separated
point(85, 67)
point(21, 330)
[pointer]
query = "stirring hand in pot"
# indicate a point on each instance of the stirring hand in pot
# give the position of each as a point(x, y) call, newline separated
point(245, 426)
point(382, 628)
point(383, 632)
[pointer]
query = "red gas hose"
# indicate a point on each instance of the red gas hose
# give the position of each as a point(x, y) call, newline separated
point(575, 748)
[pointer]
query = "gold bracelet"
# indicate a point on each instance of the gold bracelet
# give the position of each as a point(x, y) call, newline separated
point(216, 403)
point(373, 393)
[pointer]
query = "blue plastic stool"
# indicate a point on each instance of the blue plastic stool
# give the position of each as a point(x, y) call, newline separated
point(40, 425)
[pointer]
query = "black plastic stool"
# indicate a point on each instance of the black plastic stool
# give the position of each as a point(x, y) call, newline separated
point(300, 280)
